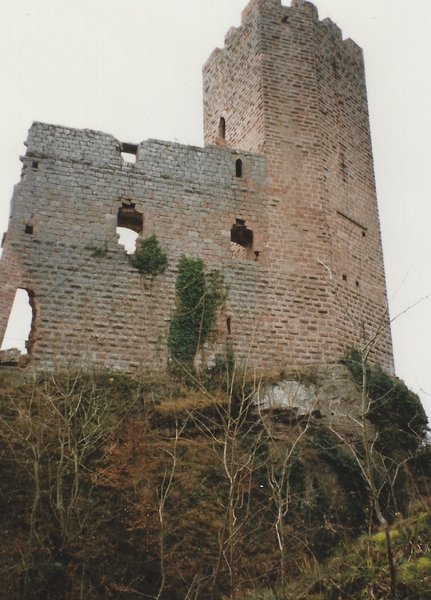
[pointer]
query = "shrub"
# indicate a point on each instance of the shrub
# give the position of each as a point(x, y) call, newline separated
point(395, 410)
point(149, 258)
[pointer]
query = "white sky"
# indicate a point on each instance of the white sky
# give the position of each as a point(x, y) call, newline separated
point(132, 68)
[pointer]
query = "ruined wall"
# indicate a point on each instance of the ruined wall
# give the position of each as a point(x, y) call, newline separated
point(91, 305)
point(288, 158)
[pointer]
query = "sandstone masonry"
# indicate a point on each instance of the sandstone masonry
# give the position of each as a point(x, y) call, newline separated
point(281, 200)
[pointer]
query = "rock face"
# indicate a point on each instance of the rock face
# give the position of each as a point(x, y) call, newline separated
point(327, 393)
point(281, 201)
point(289, 395)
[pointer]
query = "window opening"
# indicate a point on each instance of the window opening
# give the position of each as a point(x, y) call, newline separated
point(20, 327)
point(344, 277)
point(238, 168)
point(129, 217)
point(222, 128)
point(241, 238)
point(229, 325)
point(28, 229)
point(127, 238)
point(130, 224)
point(35, 164)
point(129, 152)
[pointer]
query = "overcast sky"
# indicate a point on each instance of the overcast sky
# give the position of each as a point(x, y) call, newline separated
point(132, 68)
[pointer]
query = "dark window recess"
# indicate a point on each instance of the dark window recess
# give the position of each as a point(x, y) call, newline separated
point(357, 284)
point(344, 277)
point(129, 217)
point(363, 234)
point(34, 164)
point(238, 168)
point(256, 255)
point(343, 168)
point(222, 128)
point(229, 325)
point(129, 152)
point(241, 241)
point(241, 235)
point(284, 19)
point(28, 229)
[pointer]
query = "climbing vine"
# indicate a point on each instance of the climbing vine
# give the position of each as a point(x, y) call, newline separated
point(198, 297)
point(149, 258)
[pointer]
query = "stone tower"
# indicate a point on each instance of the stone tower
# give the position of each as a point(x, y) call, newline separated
point(288, 86)
point(281, 200)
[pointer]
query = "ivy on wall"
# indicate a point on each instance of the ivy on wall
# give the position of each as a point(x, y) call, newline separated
point(199, 295)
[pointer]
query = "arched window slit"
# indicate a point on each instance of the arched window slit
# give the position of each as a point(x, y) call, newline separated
point(238, 168)
point(222, 128)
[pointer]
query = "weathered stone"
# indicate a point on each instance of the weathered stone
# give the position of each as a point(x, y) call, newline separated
point(10, 357)
point(288, 395)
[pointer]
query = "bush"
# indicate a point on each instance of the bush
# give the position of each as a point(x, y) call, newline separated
point(395, 410)
point(149, 258)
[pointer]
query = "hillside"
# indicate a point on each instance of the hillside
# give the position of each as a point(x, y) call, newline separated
point(113, 487)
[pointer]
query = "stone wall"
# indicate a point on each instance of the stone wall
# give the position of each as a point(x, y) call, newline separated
point(288, 86)
point(288, 158)
point(90, 304)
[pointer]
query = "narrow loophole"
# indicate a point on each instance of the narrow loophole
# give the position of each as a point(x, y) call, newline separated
point(238, 168)
point(222, 128)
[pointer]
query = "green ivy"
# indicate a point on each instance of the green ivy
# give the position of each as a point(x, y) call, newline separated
point(395, 410)
point(149, 258)
point(198, 297)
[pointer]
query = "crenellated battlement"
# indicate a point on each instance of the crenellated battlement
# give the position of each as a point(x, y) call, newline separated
point(298, 10)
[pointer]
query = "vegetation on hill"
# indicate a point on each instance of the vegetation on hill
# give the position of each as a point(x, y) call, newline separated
point(113, 487)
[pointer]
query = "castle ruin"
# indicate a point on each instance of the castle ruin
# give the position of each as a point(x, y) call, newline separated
point(281, 200)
